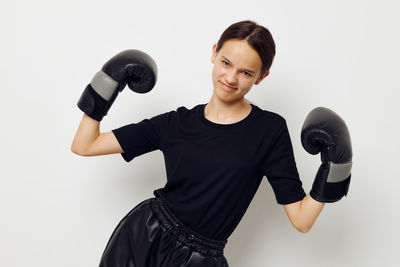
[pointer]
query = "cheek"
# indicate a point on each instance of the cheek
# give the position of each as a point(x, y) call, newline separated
point(218, 70)
point(216, 73)
point(247, 84)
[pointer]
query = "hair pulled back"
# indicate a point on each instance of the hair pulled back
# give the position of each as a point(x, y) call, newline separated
point(257, 37)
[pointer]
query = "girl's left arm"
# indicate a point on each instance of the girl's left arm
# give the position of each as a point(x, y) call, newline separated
point(302, 214)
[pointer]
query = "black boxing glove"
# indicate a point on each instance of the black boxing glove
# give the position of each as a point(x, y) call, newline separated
point(325, 132)
point(132, 67)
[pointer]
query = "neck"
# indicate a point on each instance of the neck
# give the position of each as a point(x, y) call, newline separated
point(226, 111)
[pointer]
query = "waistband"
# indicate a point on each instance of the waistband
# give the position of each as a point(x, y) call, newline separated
point(183, 233)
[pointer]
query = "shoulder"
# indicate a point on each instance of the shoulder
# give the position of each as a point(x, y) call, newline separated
point(175, 112)
point(179, 113)
point(270, 117)
point(188, 111)
point(184, 109)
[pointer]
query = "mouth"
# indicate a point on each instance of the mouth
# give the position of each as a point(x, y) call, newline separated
point(227, 87)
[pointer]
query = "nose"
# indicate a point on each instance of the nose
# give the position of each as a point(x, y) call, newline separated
point(231, 77)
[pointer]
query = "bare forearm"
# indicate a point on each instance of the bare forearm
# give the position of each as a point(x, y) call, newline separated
point(308, 213)
point(302, 214)
point(88, 131)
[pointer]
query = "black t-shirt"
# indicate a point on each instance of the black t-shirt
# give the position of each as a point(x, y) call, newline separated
point(214, 170)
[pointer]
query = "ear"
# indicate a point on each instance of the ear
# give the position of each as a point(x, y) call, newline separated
point(214, 53)
point(262, 78)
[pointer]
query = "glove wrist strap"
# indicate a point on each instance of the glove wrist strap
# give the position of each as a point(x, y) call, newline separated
point(324, 191)
point(104, 85)
point(339, 172)
point(93, 105)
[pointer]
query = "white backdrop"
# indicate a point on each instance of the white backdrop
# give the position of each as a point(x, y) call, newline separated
point(59, 209)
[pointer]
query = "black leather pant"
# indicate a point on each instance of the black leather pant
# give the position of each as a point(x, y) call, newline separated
point(151, 236)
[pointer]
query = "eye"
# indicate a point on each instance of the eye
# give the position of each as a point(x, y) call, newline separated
point(247, 74)
point(225, 63)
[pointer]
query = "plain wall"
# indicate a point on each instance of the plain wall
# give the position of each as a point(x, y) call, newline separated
point(59, 209)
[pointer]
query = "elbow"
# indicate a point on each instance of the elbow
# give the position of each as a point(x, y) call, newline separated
point(303, 229)
point(81, 150)
point(77, 151)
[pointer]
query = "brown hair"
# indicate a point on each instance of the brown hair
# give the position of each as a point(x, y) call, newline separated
point(257, 37)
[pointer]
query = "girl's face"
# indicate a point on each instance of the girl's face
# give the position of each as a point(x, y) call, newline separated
point(237, 66)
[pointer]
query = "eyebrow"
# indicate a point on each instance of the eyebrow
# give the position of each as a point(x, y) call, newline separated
point(251, 71)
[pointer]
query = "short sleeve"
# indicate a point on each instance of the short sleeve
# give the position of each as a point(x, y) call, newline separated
point(281, 171)
point(145, 136)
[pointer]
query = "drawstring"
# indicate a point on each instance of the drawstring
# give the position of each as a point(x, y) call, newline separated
point(188, 238)
point(179, 228)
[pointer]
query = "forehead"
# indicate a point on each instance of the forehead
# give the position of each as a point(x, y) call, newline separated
point(240, 53)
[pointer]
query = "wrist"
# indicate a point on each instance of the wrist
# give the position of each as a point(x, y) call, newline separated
point(329, 190)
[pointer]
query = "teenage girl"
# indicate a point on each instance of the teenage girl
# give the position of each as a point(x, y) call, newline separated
point(216, 155)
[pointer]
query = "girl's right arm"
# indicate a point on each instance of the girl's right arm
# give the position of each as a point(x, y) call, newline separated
point(88, 140)
point(100, 94)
